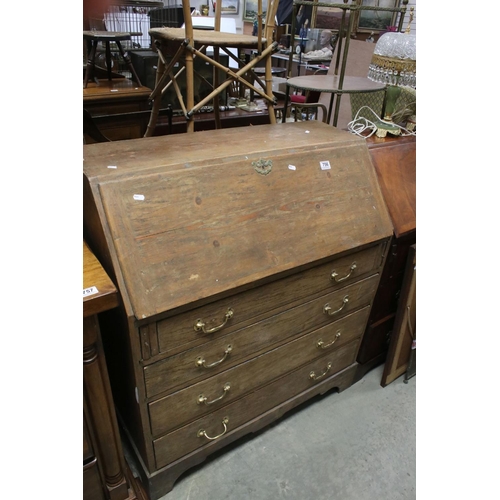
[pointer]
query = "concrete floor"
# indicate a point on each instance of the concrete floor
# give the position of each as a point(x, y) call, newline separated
point(356, 445)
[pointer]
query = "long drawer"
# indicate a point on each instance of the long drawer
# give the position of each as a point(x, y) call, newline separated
point(189, 404)
point(203, 324)
point(215, 425)
point(220, 354)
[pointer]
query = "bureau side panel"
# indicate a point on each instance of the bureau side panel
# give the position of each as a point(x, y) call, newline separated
point(119, 334)
point(93, 231)
point(126, 379)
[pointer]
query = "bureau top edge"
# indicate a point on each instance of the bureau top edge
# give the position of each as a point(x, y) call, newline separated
point(184, 151)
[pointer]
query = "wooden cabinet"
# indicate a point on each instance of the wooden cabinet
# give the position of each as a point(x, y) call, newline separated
point(105, 473)
point(247, 265)
point(394, 159)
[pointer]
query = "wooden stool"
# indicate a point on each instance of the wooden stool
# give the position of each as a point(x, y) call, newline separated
point(260, 71)
point(94, 37)
point(275, 71)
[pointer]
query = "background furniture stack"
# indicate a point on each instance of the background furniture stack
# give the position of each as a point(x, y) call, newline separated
point(114, 94)
point(182, 45)
point(339, 81)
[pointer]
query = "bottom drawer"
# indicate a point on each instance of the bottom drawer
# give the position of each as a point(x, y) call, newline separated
point(214, 426)
point(92, 486)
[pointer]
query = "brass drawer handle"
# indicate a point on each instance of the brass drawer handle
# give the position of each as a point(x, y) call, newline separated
point(200, 361)
point(200, 324)
point(317, 377)
point(328, 310)
point(203, 399)
point(202, 432)
point(334, 274)
point(322, 345)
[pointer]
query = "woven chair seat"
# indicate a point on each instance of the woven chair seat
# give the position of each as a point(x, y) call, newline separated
point(106, 36)
point(207, 37)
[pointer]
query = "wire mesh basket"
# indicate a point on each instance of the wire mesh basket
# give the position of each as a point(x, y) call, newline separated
point(170, 15)
point(128, 16)
point(135, 17)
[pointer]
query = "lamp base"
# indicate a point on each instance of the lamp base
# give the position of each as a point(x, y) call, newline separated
point(386, 128)
point(399, 109)
point(391, 96)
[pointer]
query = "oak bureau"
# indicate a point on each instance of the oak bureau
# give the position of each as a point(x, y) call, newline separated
point(247, 260)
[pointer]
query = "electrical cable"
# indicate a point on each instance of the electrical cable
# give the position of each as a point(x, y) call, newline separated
point(359, 125)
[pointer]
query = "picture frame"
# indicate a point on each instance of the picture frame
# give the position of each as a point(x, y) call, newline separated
point(250, 8)
point(329, 18)
point(368, 21)
point(229, 7)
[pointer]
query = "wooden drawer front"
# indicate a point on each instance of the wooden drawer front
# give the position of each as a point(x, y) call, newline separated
point(184, 440)
point(180, 330)
point(182, 369)
point(92, 486)
point(181, 407)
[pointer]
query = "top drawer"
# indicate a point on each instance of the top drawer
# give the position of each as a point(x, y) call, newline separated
point(201, 325)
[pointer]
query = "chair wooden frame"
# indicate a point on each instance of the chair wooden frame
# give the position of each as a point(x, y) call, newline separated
point(309, 108)
point(182, 45)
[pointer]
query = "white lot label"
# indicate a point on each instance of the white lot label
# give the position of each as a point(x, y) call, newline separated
point(90, 291)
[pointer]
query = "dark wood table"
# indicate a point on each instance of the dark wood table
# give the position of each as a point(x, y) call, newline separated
point(332, 85)
point(119, 107)
point(106, 475)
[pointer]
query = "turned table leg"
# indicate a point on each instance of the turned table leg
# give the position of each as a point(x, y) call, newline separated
point(101, 413)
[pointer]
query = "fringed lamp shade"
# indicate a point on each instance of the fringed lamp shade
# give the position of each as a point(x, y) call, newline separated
point(394, 60)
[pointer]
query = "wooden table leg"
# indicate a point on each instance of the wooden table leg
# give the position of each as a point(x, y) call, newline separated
point(128, 61)
point(108, 59)
point(285, 106)
point(156, 96)
point(330, 108)
point(337, 109)
point(90, 64)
